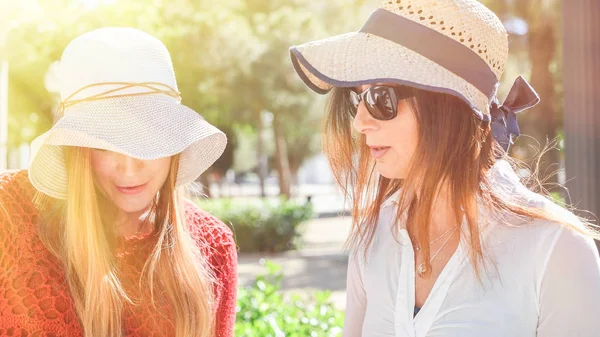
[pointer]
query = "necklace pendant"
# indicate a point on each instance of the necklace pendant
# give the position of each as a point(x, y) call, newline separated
point(421, 270)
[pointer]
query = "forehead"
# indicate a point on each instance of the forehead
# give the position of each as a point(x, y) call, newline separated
point(364, 87)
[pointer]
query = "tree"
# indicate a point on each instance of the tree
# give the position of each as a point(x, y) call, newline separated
point(277, 88)
point(188, 29)
point(231, 60)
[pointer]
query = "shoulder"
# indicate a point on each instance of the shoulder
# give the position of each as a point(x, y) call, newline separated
point(18, 218)
point(15, 183)
point(531, 236)
point(16, 194)
point(536, 232)
point(207, 227)
point(213, 237)
point(536, 229)
point(536, 243)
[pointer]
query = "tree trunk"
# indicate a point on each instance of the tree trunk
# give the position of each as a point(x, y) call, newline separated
point(281, 157)
point(260, 151)
point(582, 120)
point(294, 174)
point(542, 49)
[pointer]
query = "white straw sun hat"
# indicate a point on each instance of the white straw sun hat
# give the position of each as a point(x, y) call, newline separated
point(118, 92)
point(458, 47)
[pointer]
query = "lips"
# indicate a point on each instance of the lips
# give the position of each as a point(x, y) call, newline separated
point(132, 189)
point(379, 151)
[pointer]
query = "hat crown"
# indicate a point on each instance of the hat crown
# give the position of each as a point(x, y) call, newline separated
point(115, 54)
point(466, 21)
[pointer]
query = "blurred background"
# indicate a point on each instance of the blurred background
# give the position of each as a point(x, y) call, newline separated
point(272, 185)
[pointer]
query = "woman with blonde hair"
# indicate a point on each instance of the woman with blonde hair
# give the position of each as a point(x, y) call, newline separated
point(97, 239)
point(446, 240)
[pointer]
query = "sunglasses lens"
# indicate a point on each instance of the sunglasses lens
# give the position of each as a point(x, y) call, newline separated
point(381, 102)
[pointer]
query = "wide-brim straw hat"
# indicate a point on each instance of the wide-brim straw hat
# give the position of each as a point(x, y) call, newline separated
point(119, 93)
point(458, 47)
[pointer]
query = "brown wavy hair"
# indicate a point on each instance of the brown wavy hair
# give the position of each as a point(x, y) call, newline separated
point(454, 148)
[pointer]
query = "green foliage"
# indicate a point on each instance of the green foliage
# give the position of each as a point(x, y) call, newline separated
point(231, 58)
point(558, 199)
point(261, 225)
point(264, 311)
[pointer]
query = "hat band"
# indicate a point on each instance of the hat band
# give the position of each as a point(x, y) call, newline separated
point(154, 88)
point(441, 49)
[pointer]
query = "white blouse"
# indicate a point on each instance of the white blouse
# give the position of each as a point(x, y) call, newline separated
point(543, 280)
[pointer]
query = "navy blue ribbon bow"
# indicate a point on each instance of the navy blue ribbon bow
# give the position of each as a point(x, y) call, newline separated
point(504, 125)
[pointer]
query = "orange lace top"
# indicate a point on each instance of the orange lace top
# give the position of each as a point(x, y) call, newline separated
point(35, 300)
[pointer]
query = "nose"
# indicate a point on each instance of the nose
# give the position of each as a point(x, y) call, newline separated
point(129, 166)
point(363, 121)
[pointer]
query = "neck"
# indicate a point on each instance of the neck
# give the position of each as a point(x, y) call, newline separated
point(133, 223)
point(443, 216)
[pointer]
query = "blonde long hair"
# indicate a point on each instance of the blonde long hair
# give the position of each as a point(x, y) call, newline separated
point(453, 146)
point(79, 232)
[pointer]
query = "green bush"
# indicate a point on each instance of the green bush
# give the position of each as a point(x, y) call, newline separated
point(261, 225)
point(263, 311)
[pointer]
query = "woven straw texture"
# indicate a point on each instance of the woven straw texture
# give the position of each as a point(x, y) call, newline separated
point(147, 126)
point(352, 58)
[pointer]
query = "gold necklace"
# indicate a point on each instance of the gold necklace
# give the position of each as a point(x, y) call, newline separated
point(422, 269)
point(438, 238)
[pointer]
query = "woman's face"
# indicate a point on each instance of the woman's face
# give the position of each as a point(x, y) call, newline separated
point(131, 184)
point(393, 142)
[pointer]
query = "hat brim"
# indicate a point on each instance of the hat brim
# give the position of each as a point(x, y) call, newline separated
point(146, 128)
point(355, 59)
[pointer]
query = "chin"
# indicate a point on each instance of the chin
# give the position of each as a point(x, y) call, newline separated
point(389, 172)
point(133, 206)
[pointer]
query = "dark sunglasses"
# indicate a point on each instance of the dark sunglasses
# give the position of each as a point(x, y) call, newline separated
point(380, 100)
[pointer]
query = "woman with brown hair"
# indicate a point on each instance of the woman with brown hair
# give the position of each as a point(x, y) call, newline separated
point(97, 239)
point(446, 240)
